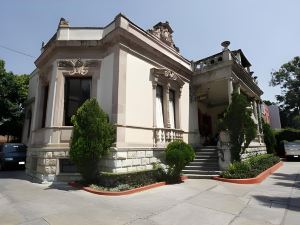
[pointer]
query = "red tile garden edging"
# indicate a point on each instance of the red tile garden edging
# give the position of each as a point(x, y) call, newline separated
point(259, 178)
point(118, 193)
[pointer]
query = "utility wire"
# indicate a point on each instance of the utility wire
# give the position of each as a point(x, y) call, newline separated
point(16, 51)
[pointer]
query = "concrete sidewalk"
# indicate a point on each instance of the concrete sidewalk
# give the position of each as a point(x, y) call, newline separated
point(205, 202)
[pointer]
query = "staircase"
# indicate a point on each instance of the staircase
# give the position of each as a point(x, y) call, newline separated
point(205, 164)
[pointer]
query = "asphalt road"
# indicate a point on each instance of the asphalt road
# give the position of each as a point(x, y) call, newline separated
point(205, 202)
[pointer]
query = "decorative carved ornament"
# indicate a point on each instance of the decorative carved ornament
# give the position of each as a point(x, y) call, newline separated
point(77, 66)
point(163, 31)
point(167, 74)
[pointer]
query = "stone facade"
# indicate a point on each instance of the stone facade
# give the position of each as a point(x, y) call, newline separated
point(151, 93)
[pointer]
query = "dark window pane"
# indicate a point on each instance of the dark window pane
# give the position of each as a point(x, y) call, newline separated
point(67, 166)
point(46, 91)
point(77, 91)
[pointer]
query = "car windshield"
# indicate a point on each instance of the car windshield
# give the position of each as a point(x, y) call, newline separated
point(15, 148)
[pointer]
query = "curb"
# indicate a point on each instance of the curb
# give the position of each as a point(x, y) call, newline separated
point(256, 180)
point(118, 193)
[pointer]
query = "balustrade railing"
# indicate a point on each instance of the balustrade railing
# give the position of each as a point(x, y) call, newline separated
point(162, 136)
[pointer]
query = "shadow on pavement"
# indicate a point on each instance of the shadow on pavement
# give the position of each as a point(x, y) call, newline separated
point(16, 173)
point(285, 180)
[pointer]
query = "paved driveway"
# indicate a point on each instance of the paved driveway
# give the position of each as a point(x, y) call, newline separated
point(205, 202)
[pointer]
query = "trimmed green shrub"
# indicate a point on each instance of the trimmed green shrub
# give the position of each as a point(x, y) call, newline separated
point(92, 137)
point(251, 167)
point(132, 179)
point(178, 155)
point(289, 135)
point(269, 138)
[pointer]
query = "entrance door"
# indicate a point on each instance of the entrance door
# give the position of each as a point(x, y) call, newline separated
point(205, 127)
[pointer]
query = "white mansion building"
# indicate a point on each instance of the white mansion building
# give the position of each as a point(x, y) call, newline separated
point(152, 94)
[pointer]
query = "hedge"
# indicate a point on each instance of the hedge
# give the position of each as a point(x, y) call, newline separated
point(133, 179)
point(251, 167)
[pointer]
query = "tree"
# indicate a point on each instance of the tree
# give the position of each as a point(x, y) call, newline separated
point(269, 138)
point(92, 137)
point(13, 94)
point(242, 129)
point(296, 122)
point(288, 77)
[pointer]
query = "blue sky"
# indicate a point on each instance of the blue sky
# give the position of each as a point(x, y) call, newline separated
point(268, 31)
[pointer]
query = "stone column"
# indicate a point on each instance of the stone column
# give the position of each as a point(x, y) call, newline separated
point(154, 85)
point(230, 90)
point(51, 96)
point(166, 106)
point(259, 117)
point(178, 109)
point(254, 108)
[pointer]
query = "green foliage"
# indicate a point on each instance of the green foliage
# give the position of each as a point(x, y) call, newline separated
point(289, 135)
point(13, 94)
point(132, 179)
point(288, 78)
point(242, 129)
point(92, 137)
point(251, 167)
point(178, 155)
point(269, 138)
point(296, 121)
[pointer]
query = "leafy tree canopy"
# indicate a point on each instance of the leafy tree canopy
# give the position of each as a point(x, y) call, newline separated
point(13, 94)
point(288, 77)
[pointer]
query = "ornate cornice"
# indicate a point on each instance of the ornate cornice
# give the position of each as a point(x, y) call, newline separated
point(77, 66)
point(167, 74)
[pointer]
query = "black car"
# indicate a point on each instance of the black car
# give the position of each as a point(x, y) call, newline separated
point(12, 154)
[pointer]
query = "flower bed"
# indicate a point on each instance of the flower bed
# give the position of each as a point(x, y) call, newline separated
point(106, 191)
point(253, 170)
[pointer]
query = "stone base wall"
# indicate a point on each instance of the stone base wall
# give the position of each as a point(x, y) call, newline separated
point(254, 150)
point(43, 163)
point(131, 159)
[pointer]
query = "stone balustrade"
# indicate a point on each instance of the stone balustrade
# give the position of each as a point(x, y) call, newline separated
point(162, 136)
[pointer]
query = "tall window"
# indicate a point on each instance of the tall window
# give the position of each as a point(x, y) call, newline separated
point(77, 90)
point(45, 101)
point(159, 107)
point(172, 109)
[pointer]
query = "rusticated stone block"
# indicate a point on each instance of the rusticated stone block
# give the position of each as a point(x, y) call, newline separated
point(145, 161)
point(153, 160)
point(149, 153)
point(121, 155)
point(59, 154)
point(136, 162)
point(50, 162)
point(131, 169)
point(149, 167)
point(131, 155)
point(50, 169)
point(120, 170)
point(140, 154)
point(140, 167)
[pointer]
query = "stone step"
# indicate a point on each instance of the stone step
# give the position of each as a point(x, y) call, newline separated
point(206, 158)
point(206, 153)
point(197, 176)
point(203, 164)
point(204, 168)
point(206, 150)
point(201, 172)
